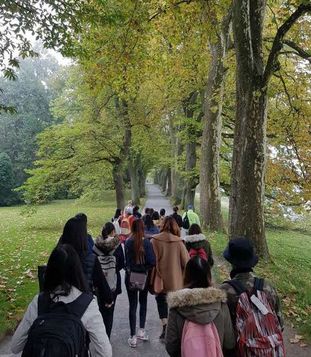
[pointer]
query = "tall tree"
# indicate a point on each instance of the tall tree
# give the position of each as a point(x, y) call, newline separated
point(252, 80)
point(210, 196)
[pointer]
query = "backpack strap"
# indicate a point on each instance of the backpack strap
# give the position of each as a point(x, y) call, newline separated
point(44, 303)
point(258, 284)
point(237, 286)
point(79, 306)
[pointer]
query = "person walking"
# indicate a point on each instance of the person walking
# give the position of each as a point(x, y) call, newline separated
point(190, 217)
point(198, 315)
point(162, 216)
point(197, 244)
point(140, 259)
point(156, 218)
point(116, 220)
point(150, 228)
point(250, 296)
point(90, 241)
point(171, 259)
point(75, 234)
point(109, 251)
point(64, 283)
point(177, 216)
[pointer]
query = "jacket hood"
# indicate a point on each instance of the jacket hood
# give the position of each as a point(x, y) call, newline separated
point(167, 237)
point(194, 238)
point(106, 245)
point(200, 305)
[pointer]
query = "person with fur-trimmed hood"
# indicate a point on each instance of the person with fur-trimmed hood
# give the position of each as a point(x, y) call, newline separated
point(111, 257)
point(197, 244)
point(199, 303)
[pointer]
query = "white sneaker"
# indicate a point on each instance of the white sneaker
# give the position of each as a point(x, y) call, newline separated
point(141, 334)
point(132, 341)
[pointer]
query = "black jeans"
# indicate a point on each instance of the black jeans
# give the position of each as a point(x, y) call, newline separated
point(162, 305)
point(107, 314)
point(134, 296)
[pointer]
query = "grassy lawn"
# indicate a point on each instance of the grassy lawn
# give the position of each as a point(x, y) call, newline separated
point(289, 270)
point(27, 241)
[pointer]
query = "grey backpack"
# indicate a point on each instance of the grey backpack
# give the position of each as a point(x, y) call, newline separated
point(109, 264)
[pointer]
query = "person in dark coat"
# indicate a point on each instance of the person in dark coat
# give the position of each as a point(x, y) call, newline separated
point(177, 217)
point(150, 228)
point(75, 234)
point(90, 241)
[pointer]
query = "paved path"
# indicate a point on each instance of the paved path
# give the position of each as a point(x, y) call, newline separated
point(120, 332)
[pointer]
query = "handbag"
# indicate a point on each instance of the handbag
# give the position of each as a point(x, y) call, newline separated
point(156, 285)
point(137, 281)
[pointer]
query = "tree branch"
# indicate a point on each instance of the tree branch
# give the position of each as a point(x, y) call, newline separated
point(298, 50)
point(279, 39)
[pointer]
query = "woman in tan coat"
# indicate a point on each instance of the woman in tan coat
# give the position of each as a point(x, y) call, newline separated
point(171, 259)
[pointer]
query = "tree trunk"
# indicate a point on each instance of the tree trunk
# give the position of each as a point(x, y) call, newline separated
point(246, 215)
point(191, 179)
point(135, 187)
point(125, 156)
point(169, 183)
point(117, 173)
point(191, 176)
point(210, 197)
point(134, 167)
point(176, 152)
point(142, 183)
point(164, 179)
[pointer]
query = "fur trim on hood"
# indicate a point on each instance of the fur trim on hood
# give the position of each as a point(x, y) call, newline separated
point(106, 245)
point(194, 238)
point(197, 296)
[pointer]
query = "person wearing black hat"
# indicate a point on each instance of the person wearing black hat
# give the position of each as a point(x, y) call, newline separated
point(241, 255)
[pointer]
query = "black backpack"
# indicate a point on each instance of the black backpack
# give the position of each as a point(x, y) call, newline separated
point(185, 222)
point(58, 330)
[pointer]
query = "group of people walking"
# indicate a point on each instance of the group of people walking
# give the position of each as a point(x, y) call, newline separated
point(82, 281)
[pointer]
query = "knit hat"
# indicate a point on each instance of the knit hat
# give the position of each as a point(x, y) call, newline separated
point(240, 253)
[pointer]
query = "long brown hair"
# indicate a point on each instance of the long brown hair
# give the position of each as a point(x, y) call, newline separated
point(138, 235)
point(170, 225)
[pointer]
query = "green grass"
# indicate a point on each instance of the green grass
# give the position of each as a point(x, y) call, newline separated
point(289, 270)
point(26, 241)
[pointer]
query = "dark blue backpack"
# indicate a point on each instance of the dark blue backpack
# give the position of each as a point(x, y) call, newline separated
point(58, 330)
point(185, 222)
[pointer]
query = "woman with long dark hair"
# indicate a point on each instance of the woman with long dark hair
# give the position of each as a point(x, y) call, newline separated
point(139, 260)
point(75, 234)
point(171, 259)
point(110, 255)
point(196, 306)
point(150, 228)
point(65, 282)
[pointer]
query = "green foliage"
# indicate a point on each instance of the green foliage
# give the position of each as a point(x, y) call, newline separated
point(29, 95)
point(6, 180)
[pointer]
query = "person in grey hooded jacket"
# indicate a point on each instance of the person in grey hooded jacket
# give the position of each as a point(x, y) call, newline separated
point(196, 241)
point(200, 303)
